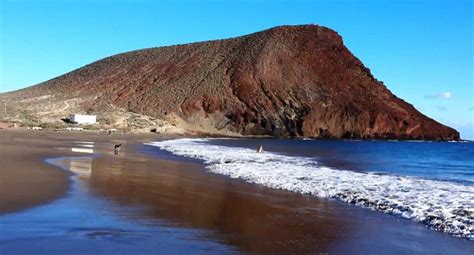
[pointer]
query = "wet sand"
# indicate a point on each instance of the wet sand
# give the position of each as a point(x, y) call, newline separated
point(24, 180)
point(22, 169)
point(142, 188)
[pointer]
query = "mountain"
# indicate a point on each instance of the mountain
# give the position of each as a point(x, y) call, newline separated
point(284, 81)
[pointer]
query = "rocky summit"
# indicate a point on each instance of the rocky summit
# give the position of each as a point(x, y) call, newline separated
point(287, 81)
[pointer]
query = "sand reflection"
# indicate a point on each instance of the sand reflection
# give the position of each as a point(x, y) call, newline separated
point(82, 167)
point(83, 147)
point(250, 217)
point(82, 150)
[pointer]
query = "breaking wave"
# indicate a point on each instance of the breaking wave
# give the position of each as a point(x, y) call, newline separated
point(443, 206)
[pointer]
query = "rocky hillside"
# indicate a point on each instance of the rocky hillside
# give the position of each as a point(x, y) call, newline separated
point(285, 81)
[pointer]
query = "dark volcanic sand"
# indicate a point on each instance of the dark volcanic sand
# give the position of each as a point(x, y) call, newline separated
point(138, 203)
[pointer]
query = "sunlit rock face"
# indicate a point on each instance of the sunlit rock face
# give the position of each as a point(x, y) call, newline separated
point(285, 81)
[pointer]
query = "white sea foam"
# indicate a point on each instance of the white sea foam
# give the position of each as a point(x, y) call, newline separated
point(443, 206)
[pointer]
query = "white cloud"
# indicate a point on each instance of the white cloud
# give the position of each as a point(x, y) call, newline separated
point(444, 95)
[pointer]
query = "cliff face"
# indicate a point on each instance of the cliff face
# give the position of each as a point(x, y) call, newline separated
point(285, 81)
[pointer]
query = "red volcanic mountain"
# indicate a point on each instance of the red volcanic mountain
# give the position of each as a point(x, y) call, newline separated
point(284, 81)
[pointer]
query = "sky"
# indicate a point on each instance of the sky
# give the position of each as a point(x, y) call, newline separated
point(422, 49)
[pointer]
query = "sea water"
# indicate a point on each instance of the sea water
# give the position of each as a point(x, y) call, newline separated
point(84, 223)
point(428, 182)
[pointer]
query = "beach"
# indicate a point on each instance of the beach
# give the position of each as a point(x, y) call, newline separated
point(23, 169)
point(71, 188)
point(26, 181)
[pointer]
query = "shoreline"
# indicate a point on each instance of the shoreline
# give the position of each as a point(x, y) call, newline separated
point(145, 187)
point(22, 157)
point(84, 223)
point(201, 134)
point(393, 193)
point(24, 171)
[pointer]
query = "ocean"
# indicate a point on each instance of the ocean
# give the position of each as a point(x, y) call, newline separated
point(198, 196)
point(428, 182)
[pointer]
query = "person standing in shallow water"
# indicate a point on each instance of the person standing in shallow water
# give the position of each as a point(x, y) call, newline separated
point(260, 149)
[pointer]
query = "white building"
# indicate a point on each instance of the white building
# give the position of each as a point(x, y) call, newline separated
point(82, 119)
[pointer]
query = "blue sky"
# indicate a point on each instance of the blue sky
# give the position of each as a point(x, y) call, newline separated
point(421, 49)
